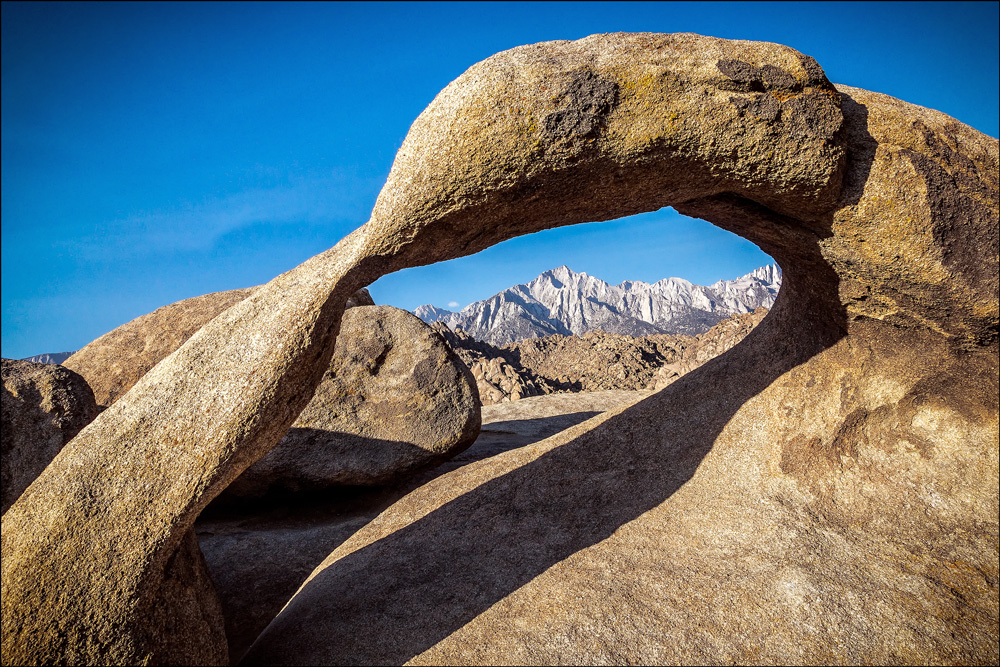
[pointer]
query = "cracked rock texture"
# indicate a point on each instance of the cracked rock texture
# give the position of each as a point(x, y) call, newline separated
point(825, 492)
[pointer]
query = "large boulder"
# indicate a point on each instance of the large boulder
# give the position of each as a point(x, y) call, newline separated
point(113, 363)
point(394, 400)
point(44, 406)
point(826, 491)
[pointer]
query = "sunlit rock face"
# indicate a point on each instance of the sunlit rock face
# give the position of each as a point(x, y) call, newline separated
point(44, 406)
point(826, 491)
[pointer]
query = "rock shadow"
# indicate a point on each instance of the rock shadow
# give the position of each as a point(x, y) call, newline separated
point(391, 600)
point(413, 588)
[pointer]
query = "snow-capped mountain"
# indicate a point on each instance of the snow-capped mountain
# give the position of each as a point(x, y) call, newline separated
point(565, 302)
point(50, 358)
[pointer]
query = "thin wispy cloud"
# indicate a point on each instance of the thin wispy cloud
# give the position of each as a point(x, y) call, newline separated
point(320, 200)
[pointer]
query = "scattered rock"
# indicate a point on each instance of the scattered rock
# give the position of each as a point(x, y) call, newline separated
point(595, 361)
point(394, 400)
point(44, 406)
point(705, 347)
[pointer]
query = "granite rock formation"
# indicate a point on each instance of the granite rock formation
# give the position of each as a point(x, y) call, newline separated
point(44, 406)
point(704, 347)
point(113, 363)
point(395, 400)
point(827, 491)
point(259, 553)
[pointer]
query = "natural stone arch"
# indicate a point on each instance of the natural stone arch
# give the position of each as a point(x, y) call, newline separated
point(881, 214)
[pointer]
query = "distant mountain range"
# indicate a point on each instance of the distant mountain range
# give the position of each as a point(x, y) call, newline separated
point(50, 358)
point(562, 301)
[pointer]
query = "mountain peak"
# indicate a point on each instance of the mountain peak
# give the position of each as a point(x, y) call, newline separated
point(561, 300)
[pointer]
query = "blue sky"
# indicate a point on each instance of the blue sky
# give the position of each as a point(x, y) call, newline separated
point(157, 151)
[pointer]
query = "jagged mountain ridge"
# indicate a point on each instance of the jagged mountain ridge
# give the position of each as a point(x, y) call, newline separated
point(562, 301)
point(50, 357)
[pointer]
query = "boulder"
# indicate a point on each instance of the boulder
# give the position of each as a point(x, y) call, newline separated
point(113, 363)
point(827, 491)
point(394, 400)
point(44, 406)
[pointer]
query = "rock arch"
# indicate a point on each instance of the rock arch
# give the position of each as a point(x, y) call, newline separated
point(869, 393)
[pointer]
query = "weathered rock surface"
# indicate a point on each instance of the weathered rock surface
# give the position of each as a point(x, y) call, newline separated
point(113, 363)
point(259, 553)
point(44, 406)
point(825, 492)
point(394, 400)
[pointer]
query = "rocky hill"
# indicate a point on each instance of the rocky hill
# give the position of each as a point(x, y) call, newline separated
point(562, 301)
point(595, 361)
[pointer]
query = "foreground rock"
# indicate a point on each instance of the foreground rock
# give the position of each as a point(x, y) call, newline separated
point(113, 363)
point(825, 492)
point(395, 400)
point(260, 553)
point(44, 406)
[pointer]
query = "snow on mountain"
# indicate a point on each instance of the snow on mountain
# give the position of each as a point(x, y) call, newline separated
point(50, 358)
point(565, 302)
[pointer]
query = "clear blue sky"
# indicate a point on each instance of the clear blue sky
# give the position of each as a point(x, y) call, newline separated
point(154, 152)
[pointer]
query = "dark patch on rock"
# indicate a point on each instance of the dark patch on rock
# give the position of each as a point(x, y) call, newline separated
point(816, 77)
point(582, 107)
point(958, 197)
point(744, 77)
point(775, 78)
point(765, 107)
point(811, 114)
